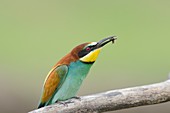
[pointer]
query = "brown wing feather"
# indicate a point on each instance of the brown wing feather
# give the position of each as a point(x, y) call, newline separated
point(50, 85)
point(53, 79)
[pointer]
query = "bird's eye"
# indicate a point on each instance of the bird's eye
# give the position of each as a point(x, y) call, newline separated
point(88, 49)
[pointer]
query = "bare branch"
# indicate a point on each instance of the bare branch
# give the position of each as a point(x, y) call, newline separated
point(113, 100)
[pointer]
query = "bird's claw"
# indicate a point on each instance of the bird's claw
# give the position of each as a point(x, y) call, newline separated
point(68, 101)
point(76, 97)
point(65, 103)
point(62, 103)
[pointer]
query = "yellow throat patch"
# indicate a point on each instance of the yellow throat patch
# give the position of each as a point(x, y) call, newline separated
point(92, 56)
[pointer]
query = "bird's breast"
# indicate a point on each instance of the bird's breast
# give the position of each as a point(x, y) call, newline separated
point(76, 73)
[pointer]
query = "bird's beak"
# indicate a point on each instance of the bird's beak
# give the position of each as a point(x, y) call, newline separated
point(104, 41)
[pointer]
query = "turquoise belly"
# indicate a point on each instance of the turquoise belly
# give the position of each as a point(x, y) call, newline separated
point(76, 74)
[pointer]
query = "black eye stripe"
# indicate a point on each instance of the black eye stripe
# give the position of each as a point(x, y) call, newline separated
point(84, 52)
point(88, 48)
point(91, 47)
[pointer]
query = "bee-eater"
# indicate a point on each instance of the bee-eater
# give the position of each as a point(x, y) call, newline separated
point(66, 77)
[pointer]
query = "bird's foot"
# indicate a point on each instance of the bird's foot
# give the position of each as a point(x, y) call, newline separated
point(62, 103)
point(68, 101)
point(65, 103)
point(76, 97)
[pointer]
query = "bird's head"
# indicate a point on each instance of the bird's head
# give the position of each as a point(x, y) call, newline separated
point(88, 52)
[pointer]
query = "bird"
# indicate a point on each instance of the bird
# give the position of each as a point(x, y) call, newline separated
point(65, 78)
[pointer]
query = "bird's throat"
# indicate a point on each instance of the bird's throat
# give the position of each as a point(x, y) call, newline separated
point(91, 57)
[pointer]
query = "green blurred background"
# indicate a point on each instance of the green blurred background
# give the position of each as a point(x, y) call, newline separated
point(35, 34)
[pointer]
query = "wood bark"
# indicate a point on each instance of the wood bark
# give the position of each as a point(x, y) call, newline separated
point(113, 100)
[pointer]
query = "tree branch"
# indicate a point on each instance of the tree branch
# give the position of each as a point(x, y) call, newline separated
point(113, 100)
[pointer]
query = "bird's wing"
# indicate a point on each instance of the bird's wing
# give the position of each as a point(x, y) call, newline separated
point(52, 83)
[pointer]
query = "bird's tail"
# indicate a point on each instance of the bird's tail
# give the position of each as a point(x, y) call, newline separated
point(41, 105)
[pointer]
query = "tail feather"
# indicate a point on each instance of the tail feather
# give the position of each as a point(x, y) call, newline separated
point(41, 105)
